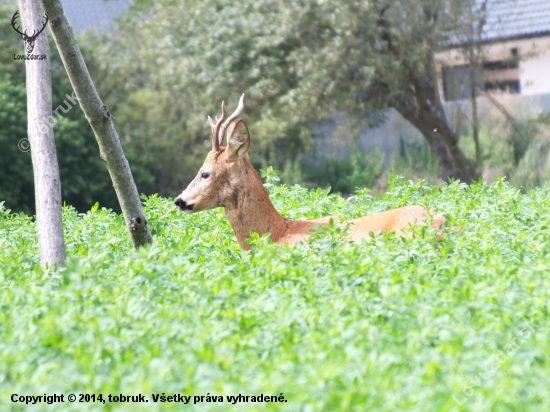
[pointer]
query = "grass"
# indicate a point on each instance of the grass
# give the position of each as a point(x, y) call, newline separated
point(389, 325)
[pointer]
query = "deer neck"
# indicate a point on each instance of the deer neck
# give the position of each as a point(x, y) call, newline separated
point(251, 210)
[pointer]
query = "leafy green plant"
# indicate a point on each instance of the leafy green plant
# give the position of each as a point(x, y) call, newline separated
point(389, 324)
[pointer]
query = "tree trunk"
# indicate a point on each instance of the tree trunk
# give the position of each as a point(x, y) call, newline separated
point(472, 66)
point(463, 168)
point(101, 122)
point(446, 169)
point(47, 185)
point(432, 123)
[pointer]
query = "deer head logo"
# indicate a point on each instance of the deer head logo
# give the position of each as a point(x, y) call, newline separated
point(29, 40)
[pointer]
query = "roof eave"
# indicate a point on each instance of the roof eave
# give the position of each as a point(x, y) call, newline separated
point(501, 39)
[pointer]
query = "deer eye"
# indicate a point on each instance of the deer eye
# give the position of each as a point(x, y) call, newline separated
point(205, 175)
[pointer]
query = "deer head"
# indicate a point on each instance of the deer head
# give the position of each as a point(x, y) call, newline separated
point(29, 40)
point(218, 179)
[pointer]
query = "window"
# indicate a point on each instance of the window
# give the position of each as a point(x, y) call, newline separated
point(494, 75)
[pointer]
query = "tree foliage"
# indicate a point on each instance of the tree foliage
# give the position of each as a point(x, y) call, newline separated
point(297, 62)
point(84, 179)
point(166, 65)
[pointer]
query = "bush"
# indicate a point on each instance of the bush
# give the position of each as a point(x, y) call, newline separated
point(354, 170)
point(513, 147)
point(415, 160)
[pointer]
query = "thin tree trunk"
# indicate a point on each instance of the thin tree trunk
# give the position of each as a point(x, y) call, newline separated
point(473, 96)
point(47, 185)
point(475, 120)
point(101, 122)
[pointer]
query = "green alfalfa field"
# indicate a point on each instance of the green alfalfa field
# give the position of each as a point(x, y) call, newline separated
point(394, 324)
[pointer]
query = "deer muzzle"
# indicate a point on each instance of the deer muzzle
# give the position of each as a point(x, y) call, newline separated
point(183, 205)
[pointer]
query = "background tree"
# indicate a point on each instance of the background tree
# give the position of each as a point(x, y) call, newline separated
point(302, 64)
point(298, 62)
point(85, 179)
point(409, 34)
point(49, 225)
point(167, 114)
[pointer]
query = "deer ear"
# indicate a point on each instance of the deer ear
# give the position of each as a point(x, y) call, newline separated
point(238, 140)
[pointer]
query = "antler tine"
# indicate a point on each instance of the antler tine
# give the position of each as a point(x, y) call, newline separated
point(45, 23)
point(35, 33)
point(216, 128)
point(230, 119)
point(212, 124)
point(13, 22)
point(212, 128)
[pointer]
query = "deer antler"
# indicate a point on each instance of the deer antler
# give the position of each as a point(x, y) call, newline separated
point(13, 19)
point(29, 40)
point(216, 128)
point(35, 33)
point(24, 34)
point(230, 119)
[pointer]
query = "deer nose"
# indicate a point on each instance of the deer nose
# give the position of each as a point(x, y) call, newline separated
point(182, 204)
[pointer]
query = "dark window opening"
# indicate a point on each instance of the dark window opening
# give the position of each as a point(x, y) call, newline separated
point(500, 75)
point(501, 65)
point(509, 86)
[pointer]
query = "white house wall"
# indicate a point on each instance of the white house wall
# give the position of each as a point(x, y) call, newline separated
point(534, 65)
point(535, 72)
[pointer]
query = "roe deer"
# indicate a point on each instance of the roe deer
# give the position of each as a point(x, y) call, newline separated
point(228, 179)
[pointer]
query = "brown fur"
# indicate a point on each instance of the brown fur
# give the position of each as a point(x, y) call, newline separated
point(234, 184)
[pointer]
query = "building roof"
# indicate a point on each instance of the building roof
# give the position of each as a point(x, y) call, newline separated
point(506, 19)
point(514, 19)
point(96, 14)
